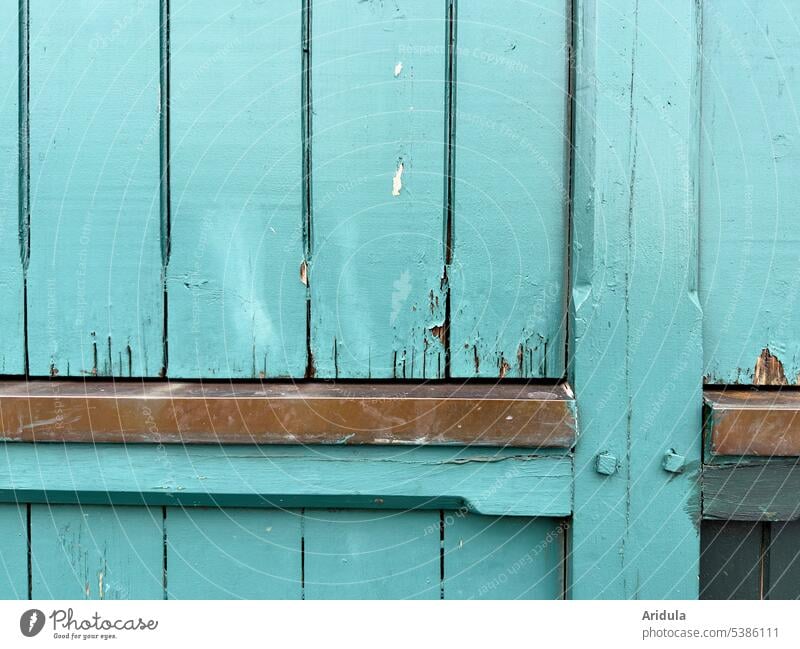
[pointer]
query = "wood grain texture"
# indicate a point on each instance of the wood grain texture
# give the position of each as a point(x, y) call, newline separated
point(750, 162)
point(377, 267)
point(13, 551)
point(731, 560)
point(502, 558)
point(636, 324)
point(233, 554)
point(237, 305)
point(372, 555)
point(12, 335)
point(511, 186)
point(94, 279)
point(501, 482)
point(352, 413)
point(81, 552)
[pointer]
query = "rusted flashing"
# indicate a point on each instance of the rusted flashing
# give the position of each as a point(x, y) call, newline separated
point(753, 422)
point(309, 413)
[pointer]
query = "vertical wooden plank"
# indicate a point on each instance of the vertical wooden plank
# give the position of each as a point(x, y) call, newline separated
point(511, 184)
point(377, 261)
point(95, 263)
point(96, 552)
point(233, 554)
point(13, 551)
point(12, 337)
point(783, 562)
point(502, 558)
point(372, 555)
point(237, 305)
point(750, 165)
point(636, 323)
point(730, 560)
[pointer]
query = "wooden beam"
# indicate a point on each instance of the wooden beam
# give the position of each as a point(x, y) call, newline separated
point(753, 422)
point(500, 482)
point(310, 413)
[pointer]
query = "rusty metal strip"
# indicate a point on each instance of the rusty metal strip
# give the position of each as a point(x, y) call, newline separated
point(308, 413)
point(753, 422)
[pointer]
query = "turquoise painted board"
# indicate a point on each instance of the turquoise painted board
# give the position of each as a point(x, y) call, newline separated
point(503, 558)
point(636, 322)
point(237, 305)
point(508, 270)
point(13, 552)
point(372, 555)
point(233, 554)
point(12, 336)
point(97, 552)
point(376, 270)
point(750, 161)
point(94, 278)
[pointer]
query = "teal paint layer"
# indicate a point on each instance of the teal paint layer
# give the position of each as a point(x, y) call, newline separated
point(503, 558)
point(94, 281)
point(233, 554)
point(96, 552)
point(377, 257)
point(13, 551)
point(12, 336)
point(503, 482)
point(372, 555)
point(636, 322)
point(237, 305)
point(508, 270)
point(750, 164)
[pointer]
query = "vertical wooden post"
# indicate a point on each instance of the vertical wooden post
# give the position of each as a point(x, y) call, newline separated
point(635, 319)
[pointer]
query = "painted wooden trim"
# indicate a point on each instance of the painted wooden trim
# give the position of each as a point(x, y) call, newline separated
point(750, 422)
point(508, 482)
point(310, 413)
point(635, 320)
point(752, 490)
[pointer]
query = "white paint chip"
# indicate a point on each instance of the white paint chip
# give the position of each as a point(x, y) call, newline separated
point(398, 69)
point(397, 181)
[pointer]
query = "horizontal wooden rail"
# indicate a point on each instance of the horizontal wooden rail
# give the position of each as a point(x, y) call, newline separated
point(309, 413)
point(753, 422)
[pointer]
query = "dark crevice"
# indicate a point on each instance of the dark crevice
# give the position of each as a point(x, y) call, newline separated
point(302, 554)
point(306, 180)
point(164, 542)
point(441, 554)
point(30, 554)
point(449, 173)
point(24, 171)
point(166, 215)
point(571, 40)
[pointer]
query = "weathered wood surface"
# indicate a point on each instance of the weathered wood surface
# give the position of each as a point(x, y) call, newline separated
point(233, 553)
point(237, 305)
point(95, 295)
point(508, 482)
point(351, 413)
point(80, 552)
point(750, 163)
point(12, 243)
point(748, 422)
point(13, 551)
point(509, 226)
point(377, 265)
point(636, 325)
point(752, 490)
point(731, 560)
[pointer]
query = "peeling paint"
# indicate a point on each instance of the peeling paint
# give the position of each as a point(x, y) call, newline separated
point(397, 180)
point(398, 68)
point(769, 370)
point(304, 272)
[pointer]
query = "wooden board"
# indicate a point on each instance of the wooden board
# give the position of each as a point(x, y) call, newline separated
point(750, 163)
point(13, 551)
point(352, 413)
point(635, 323)
point(81, 552)
point(511, 186)
point(503, 558)
point(783, 577)
point(749, 422)
point(12, 336)
point(94, 279)
point(377, 252)
point(731, 560)
point(233, 554)
point(501, 482)
point(237, 305)
point(372, 555)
